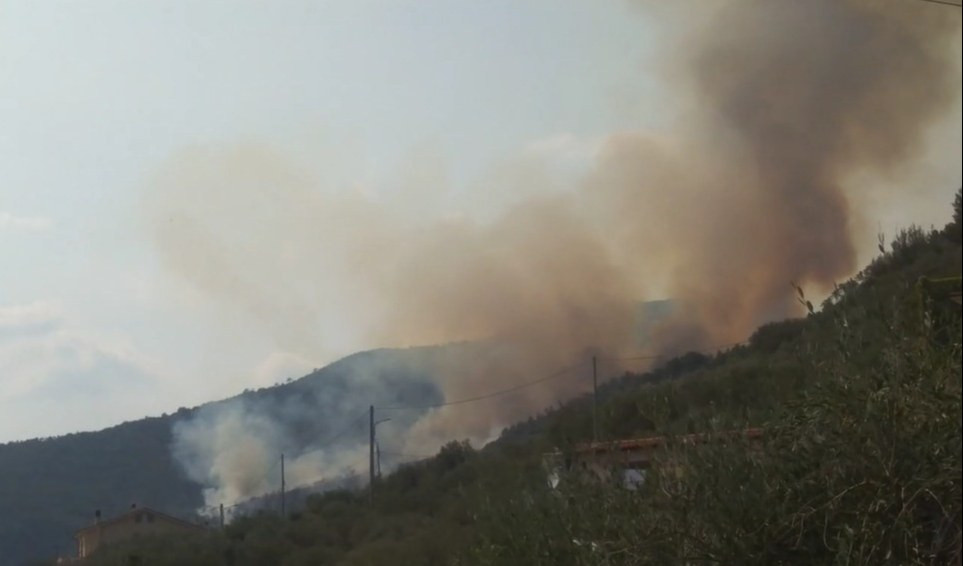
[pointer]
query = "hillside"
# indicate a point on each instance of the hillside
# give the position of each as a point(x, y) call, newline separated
point(50, 487)
point(861, 460)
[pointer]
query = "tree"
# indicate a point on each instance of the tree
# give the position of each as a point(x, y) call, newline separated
point(953, 230)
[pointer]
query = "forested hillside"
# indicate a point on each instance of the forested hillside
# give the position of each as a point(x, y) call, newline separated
point(51, 487)
point(861, 458)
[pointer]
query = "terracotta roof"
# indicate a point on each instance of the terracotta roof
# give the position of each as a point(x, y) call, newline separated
point(120, 518)
point(658, 441)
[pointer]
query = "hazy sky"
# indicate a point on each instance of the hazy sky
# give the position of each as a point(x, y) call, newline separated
point(96, 96)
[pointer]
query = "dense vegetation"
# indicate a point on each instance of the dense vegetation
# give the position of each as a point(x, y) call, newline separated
point(860, 463)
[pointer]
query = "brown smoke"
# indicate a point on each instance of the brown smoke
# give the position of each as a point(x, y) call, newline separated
point(790, 99)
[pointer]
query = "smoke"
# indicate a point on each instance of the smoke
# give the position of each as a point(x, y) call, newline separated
point(236, 452)
point(786, 103)
point(319, 423)
point(797, 98)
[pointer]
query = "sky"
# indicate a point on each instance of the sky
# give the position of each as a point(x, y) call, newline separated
point(98, 98)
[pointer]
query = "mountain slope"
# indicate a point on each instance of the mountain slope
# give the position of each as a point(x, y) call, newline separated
point(860, 403)
point(51, 487)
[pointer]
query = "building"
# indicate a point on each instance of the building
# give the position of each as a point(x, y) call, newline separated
point(630, 459)
point(139, 521)
point(939, 289)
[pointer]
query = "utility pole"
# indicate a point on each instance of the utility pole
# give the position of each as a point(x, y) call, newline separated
point(371, 454)
point(595, 400)
point(378, 459)
point(283, 509)
point(222, 516)
point(372, 446)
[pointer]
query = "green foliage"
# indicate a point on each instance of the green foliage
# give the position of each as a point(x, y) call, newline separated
point(861, 462)
point(865, 468)
point(182, 550)
point(952, 230)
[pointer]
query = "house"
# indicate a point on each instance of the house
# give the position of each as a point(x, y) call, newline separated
point(940, 289)
point(630, 459)
point(138, 521)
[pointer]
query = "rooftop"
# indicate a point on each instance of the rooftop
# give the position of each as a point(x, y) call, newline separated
point(659, 441)
point(133, 511)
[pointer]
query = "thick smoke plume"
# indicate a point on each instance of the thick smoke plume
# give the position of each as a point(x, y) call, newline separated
point(787, 101)
point(234, 447)
point(236, 452)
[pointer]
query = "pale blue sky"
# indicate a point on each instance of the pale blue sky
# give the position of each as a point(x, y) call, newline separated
point(96, 95)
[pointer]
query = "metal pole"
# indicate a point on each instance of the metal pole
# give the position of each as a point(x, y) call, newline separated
point(283, 509)
point(378, 459)
point(371, 454)
point(595, 400)
point(222, 516)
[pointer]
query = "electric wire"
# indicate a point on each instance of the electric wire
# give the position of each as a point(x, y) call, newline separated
point(554, 375)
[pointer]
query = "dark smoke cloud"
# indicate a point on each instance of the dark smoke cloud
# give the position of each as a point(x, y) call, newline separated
point(793, 100)
point(789, 101)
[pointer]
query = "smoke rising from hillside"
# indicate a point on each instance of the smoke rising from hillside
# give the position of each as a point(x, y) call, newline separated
point(796, 98)
point(235, 451)
point(789, 101)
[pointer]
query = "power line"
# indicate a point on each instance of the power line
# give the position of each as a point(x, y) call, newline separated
point(328, 440)
point(262, 501)
point(712, 349)
point(945, 3)
point(633, 358)
point(549, 377)
point(344, 430)
point(406, 455)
